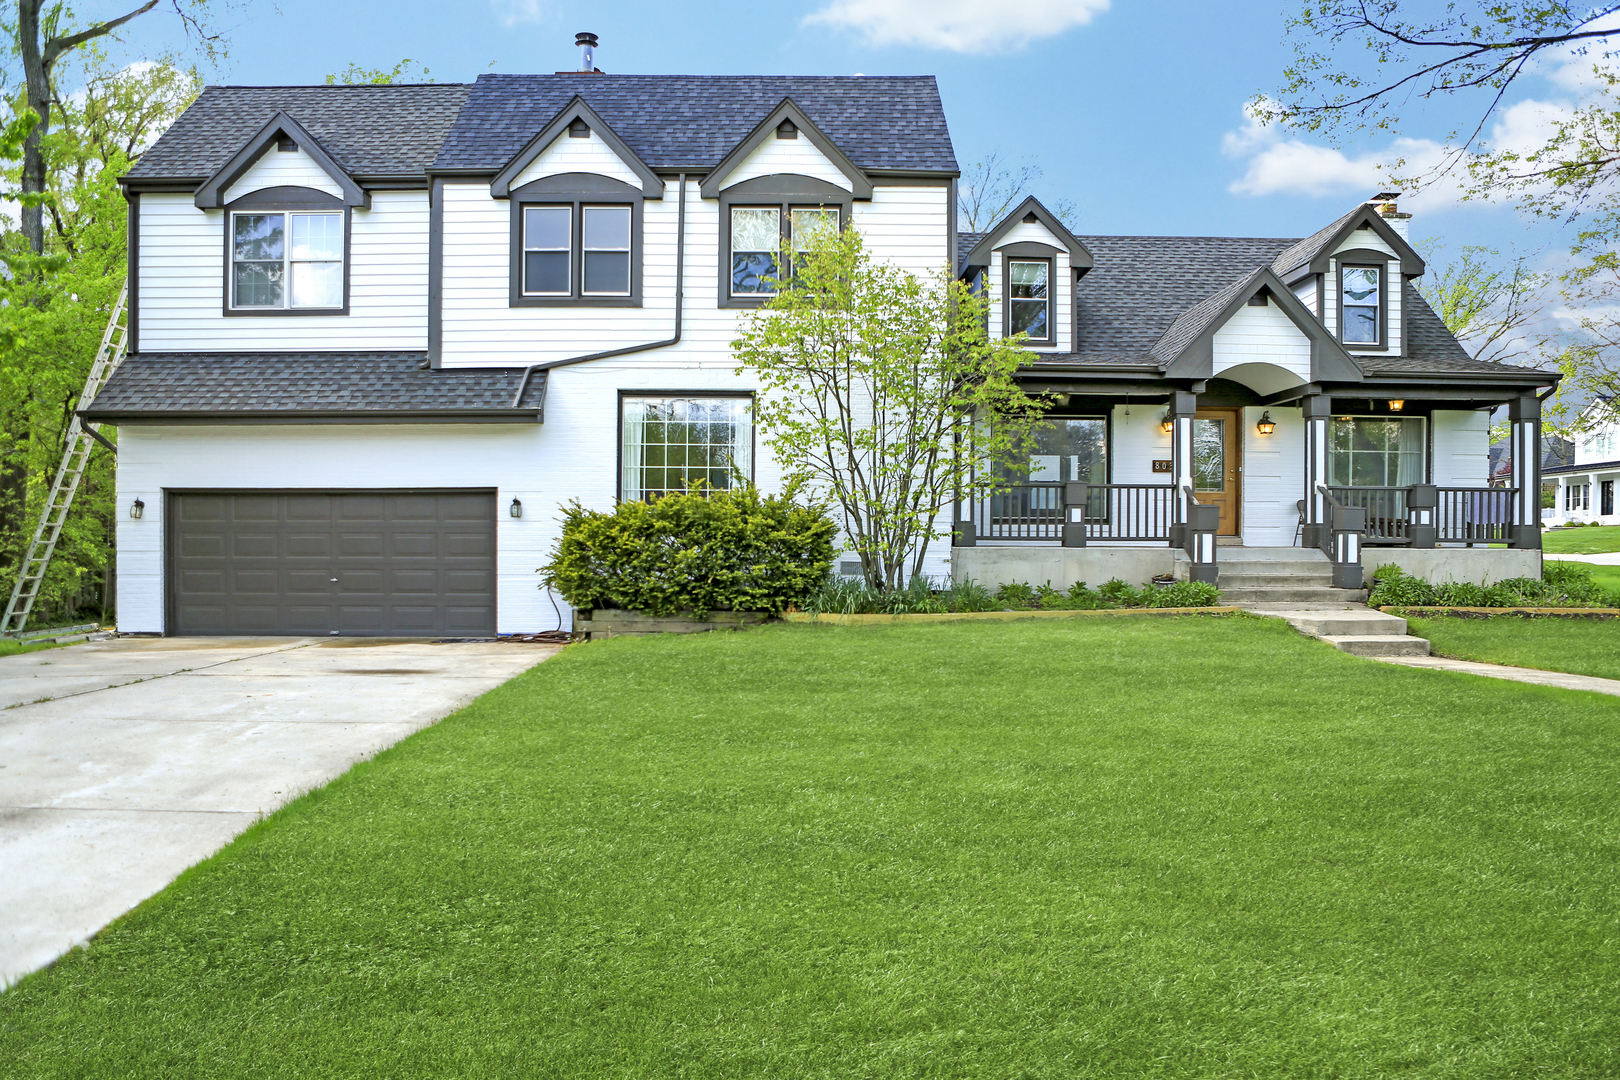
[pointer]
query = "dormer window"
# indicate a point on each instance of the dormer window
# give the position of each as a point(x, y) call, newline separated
point(286, 261)
point(757, 238)
point(576, 240)
point(1362, 305)
point(1029, 300)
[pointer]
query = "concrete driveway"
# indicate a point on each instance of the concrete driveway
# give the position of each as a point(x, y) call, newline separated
point(123, 762)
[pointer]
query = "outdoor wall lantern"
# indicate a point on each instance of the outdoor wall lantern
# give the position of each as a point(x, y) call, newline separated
point(516, 509)
point(1167, 425)
point(1397, 405)
point(136, 509)
point(1266, 425)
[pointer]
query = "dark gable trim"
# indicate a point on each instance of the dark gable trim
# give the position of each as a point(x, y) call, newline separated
point(1079, 256)
point(132, 274)
point(211, 195)
point(788, 110)
point(1412, 264)
point(1329, 361)
point(278, 200)
point(435, 297)
point(258, 419)
point(577, 109)
point(1372, 259)
point(783, 191)
point(578, 190)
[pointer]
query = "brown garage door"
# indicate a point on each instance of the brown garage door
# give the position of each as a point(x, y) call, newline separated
point(385, 563)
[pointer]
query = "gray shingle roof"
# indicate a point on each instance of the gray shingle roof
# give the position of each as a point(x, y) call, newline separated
point(1303, 251)
point(881, 122)
point(1198, 318)
point(382, 385)
point(369, 130)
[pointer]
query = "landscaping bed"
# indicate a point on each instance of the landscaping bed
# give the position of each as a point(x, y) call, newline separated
point(1045, 848)
point(920, 597)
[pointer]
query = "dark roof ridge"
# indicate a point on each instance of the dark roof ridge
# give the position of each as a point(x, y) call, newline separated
point(327, 86)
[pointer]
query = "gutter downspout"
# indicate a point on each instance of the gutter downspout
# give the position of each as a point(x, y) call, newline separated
point(680, 275)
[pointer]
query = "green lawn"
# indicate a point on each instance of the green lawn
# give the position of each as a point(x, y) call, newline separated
point(1578, 646)
point(1158, 847)
point(11, 646)
point(1583, 541)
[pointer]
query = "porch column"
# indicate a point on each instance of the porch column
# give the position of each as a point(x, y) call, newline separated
point(1316, 409)
point(1524, 415)
point(1183, 406)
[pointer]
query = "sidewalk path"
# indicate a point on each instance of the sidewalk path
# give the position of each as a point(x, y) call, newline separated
point(1604, 558)
point(1517, 674)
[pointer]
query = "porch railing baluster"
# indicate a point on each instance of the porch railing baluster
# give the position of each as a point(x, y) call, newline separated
point(1036, 512)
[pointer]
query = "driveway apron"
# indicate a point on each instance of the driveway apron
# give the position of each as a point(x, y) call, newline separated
point(124, 762)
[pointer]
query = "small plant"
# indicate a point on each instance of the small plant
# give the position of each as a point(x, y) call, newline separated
point(1183, 594)
point(1015, 594)
point(1119, 593)
point(1561, 584)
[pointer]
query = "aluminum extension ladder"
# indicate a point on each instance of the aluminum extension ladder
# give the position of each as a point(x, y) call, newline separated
point(81, 439)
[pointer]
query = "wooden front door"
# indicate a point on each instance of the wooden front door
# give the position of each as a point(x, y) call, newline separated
point(1217, 470)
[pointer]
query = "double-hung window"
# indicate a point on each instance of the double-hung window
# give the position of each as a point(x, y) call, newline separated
point(287, 260)
point(669, 442)
point(759, 236)
point(1577, 498)
point(1029, 299)
point(598, 264)
point(1361, 307)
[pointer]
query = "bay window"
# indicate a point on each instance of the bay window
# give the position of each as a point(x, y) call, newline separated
point(667, 443)
point(1376, 451)
point(286, 261)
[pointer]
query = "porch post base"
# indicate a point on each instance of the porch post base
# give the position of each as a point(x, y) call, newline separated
point(1347, 576)
point(1074, 534)
point(1525, 536)
point(1178, 536)
point(963, 535)
point(1422, 536)
point(1311, 535)
point(1210, 572)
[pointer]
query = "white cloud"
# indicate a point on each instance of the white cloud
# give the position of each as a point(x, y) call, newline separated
point(513, 12)
point(964, 26)
point(1278, 165)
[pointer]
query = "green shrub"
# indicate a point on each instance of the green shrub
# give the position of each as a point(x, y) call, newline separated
point(1118, 592)
point(1395, 588)
point(1182, 594)
point(1015, 594)
point(695, 550)
point(1460, 594)
point(968, 596)
point(1561, 584)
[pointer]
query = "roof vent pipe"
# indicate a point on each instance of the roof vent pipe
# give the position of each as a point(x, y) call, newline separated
point(587, 50)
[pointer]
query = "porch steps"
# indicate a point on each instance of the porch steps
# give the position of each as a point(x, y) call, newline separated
point(1359, 631)
point(1262, 576)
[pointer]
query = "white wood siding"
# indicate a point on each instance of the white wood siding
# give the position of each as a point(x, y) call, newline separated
point(182, 283)
point(799, 156)
point(1273, 477)
point(277, 169)
point(904, 224)
point(1305, 291)
point(1461, 441)
point(573, 455)
point(1061, 285)
point(1136, 441)
point(567, 154)
point(1263, 336)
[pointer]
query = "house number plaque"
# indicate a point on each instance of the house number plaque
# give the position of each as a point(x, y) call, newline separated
point(1162, 465)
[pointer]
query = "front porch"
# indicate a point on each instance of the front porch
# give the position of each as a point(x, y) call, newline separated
point(1165, 482)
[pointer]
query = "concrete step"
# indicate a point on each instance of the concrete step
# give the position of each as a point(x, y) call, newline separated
point(1294, 594)
point(1271, 554)
point(1378, 645)
point(1244, 579)
point(1347, 624)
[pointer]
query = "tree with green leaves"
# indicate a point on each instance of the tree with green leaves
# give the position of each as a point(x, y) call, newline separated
point(883, 393)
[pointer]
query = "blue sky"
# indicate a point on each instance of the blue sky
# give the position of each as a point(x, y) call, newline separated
point(1131, 108)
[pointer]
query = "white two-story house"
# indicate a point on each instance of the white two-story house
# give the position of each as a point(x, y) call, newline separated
point(379, 334)
point(1585, 491)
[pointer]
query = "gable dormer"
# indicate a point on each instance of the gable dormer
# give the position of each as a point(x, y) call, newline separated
point(783, 179)
point(280, 155)
point(1352, 276)
point(577, 140)
point(1031, 261)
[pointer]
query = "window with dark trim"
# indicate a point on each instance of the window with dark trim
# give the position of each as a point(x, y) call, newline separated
point(765, 223)
point(286, 253)
point(667, 441)
point(1027, 302)
point(1363, 300)
point(576, 240)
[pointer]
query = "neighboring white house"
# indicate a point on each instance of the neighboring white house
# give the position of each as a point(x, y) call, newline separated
point(1585, 491)
point(380, 334)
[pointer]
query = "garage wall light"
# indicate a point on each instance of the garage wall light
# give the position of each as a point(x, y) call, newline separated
point(516, 509)
point(136, 509)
